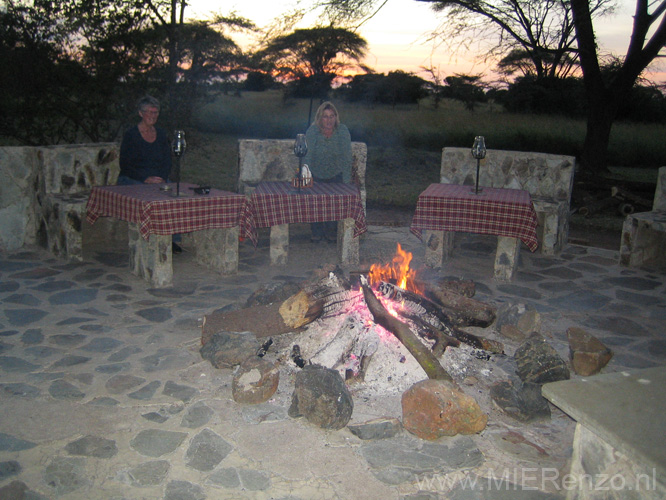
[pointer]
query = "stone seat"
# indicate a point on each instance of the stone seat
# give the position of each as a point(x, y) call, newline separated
point(66, 175)
point(271, 160)
point(619, 448)
point(644, 234)
point(268, 160)
point(547, 177)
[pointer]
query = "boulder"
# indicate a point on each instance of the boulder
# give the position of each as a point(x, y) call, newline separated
point(321, 396)
point(588, 355)
point(538, 362)
point(254, 381)
point(435, 408)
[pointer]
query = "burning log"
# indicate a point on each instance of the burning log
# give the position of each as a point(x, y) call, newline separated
point(401, 330)
point(442, 340)
point(460, 309)
point(437, 316)
point(461, 287)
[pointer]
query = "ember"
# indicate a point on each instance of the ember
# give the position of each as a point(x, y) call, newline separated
point(397, 272)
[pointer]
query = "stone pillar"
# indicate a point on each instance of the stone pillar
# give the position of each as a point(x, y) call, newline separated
point(643, 239)
point(601, 472)
point(506, 258)
point(217, 249)
point(348, 246)
point(438, 247)
point(152, 259)
point(279, 250)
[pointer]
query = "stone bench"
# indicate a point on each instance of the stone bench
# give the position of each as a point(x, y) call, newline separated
point(65, 176)
point(270, 160)
point(619, 448)
point(547, 177)
point(644, 234)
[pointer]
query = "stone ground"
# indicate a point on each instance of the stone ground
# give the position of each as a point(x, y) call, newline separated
point(104, 394)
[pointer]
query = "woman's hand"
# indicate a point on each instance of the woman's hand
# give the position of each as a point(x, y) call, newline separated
point(154, 180)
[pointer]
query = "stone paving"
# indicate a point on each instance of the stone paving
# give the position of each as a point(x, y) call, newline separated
point(104, 393)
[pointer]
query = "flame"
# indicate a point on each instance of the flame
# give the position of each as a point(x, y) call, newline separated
point(397, 272)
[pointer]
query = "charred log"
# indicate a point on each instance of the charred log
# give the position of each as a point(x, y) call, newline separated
point(437, 317)
point(442, 340)
point(450, 308)
point(466, 288)
point(462, 310)
point(401, 330)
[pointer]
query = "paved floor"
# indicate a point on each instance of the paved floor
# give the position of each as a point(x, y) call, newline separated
point(104, 394)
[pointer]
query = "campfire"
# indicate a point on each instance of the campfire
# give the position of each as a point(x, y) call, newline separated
point(382, 335)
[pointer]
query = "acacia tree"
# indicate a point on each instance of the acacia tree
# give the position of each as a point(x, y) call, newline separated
point(542, 31)
point(607, 90)
point(316, 54)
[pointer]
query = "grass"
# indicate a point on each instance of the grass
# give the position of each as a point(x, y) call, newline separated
point(404, 142)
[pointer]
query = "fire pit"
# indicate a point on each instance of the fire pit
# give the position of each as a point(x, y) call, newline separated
point(382, 334)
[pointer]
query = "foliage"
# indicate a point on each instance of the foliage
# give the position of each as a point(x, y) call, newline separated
point(467, 89)
point(398, 87)
point(258, 81)
point(78, 66)
point(557, 96)
point(314, 56)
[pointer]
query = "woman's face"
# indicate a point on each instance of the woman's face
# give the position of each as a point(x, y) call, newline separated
point(328, 119)
point(149, 114)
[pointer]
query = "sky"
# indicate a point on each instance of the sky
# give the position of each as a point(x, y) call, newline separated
point(397, 35)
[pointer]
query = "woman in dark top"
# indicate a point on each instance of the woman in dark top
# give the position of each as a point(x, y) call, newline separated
point(145, 154)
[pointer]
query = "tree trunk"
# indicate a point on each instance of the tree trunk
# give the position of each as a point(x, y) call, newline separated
point(600, 117)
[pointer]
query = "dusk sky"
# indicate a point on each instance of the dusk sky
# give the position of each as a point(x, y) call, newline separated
point(397, 36)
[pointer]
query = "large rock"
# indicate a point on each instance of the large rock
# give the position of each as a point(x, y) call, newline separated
point(523, 402)
point(321, 396)
point(538, 362)
point(435, 408)
point(588, 354)
point(229, 349)
point(255, 381)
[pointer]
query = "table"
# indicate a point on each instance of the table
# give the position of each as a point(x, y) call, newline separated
point(444, 209)
point(154, 215)
point(278, 204)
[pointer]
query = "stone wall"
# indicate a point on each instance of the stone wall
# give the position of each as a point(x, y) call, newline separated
point(45, 186)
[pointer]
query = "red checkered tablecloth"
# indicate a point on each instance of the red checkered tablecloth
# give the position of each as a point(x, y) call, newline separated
point(453, 207)
point(160, 212)
point(274, 203)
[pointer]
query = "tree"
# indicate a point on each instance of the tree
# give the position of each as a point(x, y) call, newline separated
point(541, 31)
point(87, 61)
point(605, 93)
point(398, 87)
point(317, 55)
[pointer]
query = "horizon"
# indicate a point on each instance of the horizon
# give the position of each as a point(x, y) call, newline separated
point(398, 37)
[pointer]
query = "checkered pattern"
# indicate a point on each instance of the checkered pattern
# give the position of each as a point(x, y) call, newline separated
point(453, 207)
point(274, 203)
point(159, 212)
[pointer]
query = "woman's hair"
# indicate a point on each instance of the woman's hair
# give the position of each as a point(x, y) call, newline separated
point(320, 112)
point(147, 101)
